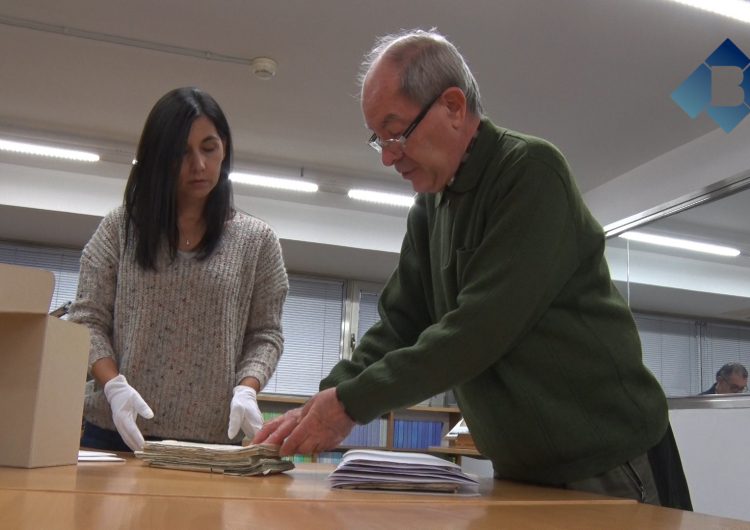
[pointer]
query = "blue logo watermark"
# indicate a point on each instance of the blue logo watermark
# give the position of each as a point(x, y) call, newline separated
point(720, 86)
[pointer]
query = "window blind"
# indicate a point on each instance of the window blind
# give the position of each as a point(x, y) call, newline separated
point(368, 312)
point(64, 264)
point(683, 354)
point(312, 335)
point(671, 351)
point(312, 316)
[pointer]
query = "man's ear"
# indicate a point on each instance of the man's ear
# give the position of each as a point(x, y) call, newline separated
point(454, 100)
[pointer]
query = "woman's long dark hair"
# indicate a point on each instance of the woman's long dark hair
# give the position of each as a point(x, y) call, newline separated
point(151, 191)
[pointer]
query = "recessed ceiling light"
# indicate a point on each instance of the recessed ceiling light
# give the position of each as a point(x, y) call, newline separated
point(680, 243)
point(44, 150)
point(273, 182)
point(736, 9)
point(393, 199)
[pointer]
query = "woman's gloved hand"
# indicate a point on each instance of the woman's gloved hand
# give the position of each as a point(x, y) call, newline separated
point(126, 404)
point(244, 412)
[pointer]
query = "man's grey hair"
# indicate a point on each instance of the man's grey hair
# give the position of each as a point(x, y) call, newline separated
point(429, 64)
point(729, 369)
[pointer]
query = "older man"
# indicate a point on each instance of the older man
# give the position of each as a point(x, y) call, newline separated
point(730, 379)
point(502, 294)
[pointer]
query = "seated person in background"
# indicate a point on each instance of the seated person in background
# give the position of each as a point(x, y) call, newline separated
point(181, 293)
point(730, 379)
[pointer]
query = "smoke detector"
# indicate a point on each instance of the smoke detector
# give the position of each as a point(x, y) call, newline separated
point(263, 67)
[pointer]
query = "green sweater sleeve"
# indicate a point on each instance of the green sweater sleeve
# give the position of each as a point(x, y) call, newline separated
point(403, 312)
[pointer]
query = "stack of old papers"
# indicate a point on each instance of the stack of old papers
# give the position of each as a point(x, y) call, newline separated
point(389, 470)
point(261, 459)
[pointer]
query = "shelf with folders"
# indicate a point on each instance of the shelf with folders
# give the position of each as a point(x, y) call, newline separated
point(414, 428)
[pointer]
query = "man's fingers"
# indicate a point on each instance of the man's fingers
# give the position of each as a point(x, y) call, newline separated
point(265, 432)
point(304, 439)
point(276, 430)
point(296, 433)
point(282, 432)
point(292, 442)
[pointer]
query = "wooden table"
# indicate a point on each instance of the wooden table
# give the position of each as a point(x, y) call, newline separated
point(133, 495)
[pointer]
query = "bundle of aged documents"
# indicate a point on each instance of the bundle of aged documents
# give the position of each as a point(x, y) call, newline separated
point(390, 470)
point(259, 459)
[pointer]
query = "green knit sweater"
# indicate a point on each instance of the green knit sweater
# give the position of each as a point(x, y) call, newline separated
point(502, 293)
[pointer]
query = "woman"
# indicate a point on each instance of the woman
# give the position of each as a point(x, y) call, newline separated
point(181, 293)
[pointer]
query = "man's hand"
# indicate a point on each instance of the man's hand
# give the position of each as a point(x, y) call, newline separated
point(318, 426)
point(277, 429)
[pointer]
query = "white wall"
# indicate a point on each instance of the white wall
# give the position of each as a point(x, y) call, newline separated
point(330, 218)
point(327, 234)
point(689, 168)
point(329, 224)
point(678, 272)
point(713, 448)
point(326, 222)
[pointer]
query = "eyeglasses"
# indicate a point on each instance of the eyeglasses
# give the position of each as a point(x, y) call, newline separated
point(379, 143)
point(733, 388)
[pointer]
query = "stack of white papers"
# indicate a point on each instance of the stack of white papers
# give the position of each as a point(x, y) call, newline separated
point(389, 470)
point(260, 459)
point(98, 456)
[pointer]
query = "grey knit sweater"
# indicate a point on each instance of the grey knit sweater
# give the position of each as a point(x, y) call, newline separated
point(186, 335)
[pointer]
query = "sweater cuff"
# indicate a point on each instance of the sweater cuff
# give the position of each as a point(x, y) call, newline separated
point(357, 407)
point(345, 409)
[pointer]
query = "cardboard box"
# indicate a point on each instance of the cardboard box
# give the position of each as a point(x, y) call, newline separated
point(43, 362)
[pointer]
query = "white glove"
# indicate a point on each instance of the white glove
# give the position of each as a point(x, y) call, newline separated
point(126, 404)
point(244, 412)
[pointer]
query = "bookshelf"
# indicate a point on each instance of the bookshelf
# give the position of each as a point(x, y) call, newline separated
point(418, 428)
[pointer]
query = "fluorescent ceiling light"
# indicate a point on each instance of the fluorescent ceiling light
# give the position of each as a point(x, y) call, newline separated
point(736, 9)
point(680, 243)
point(43, 150)
point(274, 182)
point(393, 199)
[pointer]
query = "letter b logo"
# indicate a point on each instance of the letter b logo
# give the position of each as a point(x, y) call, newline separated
point(720, 86)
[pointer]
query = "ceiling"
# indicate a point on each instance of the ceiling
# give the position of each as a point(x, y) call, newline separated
point(592, 76)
